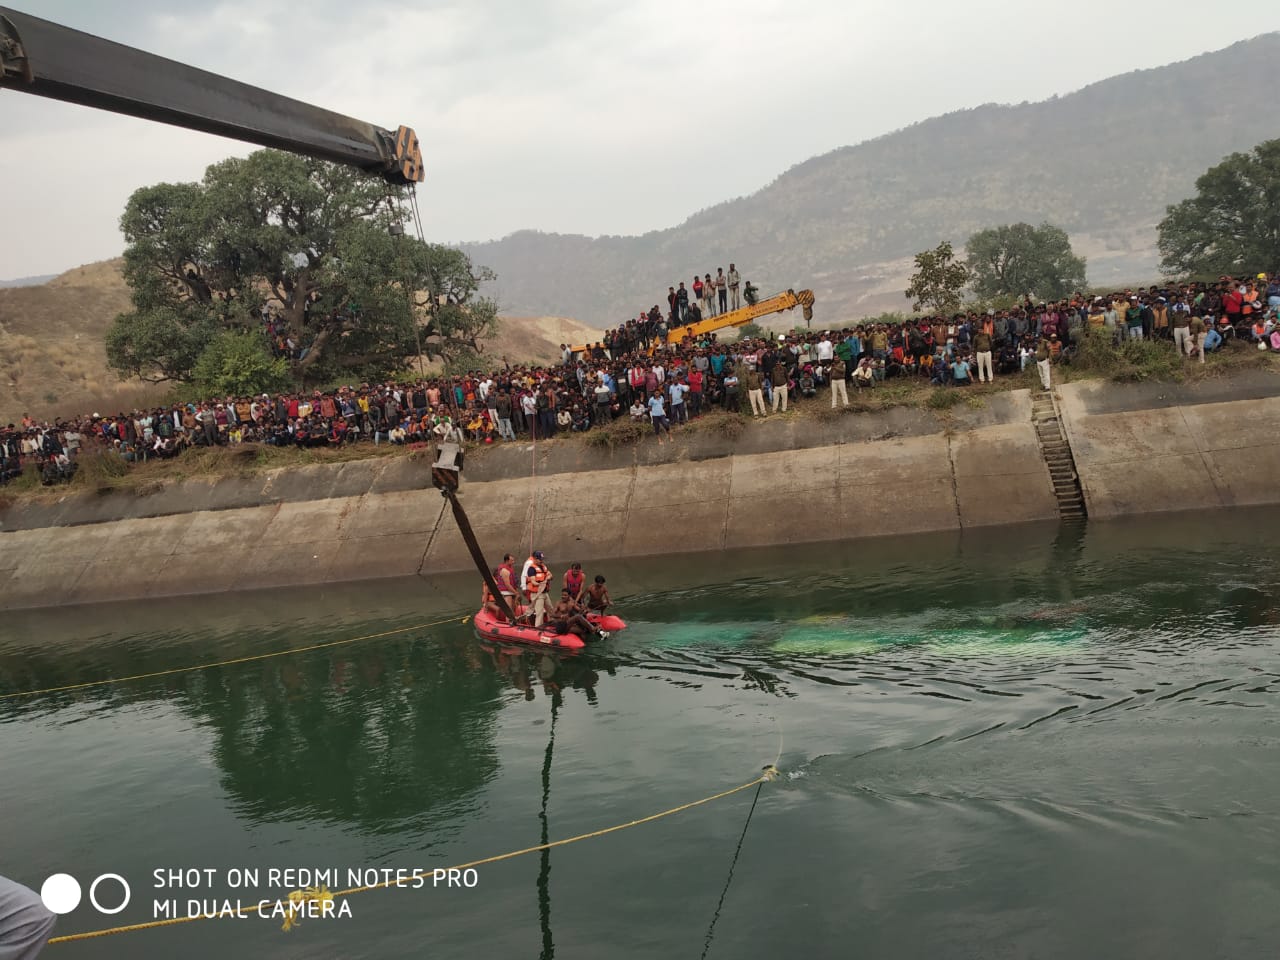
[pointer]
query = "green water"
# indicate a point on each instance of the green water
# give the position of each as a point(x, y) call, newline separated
point(1036, 743)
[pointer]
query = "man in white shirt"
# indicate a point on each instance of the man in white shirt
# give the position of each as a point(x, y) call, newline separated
point(864, 376)
point(826, 350)
point(733, 280)
point(679, 410)
point(529, 407)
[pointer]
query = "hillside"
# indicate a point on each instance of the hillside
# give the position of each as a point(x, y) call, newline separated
point(26, 281)
point(52, 359)
point(51, 339)
point(1102, 162)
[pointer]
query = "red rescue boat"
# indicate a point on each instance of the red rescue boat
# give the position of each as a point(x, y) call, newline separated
point(490, 627)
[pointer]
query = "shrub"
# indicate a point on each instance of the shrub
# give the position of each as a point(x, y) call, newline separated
point(620, 432)
point(944, 399)
point(101, 469)
point(1129, 360)
point(239, 364)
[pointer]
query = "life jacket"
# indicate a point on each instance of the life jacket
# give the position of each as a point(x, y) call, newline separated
point(573, 581)
point(537, 582)
point(504, 576)
point(486, 595)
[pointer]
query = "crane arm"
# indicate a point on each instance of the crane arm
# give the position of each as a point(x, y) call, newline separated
point(50, 60)
point(737, 318)
point(745, 314)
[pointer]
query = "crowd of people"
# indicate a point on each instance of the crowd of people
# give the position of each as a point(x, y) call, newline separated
point(636, 374)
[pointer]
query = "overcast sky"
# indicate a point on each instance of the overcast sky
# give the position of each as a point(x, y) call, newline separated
point(568, 115)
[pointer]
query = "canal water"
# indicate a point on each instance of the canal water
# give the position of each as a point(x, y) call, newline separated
point(1032, 743)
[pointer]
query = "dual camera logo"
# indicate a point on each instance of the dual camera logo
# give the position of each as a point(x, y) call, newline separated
point(61, 893)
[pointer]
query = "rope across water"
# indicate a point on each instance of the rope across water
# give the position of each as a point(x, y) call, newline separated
point(769, 773)
point(227, 663)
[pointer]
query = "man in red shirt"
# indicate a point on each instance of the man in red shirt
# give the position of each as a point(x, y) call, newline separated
point(1232, 303)
point(695, 391)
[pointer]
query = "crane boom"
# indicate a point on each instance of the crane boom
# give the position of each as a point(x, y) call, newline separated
point(50, 60)
point(745, 314)
point(737, 318)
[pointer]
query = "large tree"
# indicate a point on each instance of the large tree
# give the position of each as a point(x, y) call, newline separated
point(1232, 224)
point(938, 281)
point(1020, 259)
point(325, 247)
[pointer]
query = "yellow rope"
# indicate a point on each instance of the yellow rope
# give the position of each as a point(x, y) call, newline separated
point(769, 773)
point(228, 663)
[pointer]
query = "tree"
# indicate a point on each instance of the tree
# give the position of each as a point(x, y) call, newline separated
point(1232, 224)
point(1019, 259)
point(323, 246)
point(239, 364)
point(938, 280)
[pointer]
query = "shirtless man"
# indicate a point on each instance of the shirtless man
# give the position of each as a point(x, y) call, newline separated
point(566, 617)
point(598, 596)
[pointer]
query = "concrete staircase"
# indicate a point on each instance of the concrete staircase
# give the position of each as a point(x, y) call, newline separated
point(1057, 454)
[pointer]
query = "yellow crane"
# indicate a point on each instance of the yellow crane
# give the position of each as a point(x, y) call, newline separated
point(737, 318)
point(744, 315)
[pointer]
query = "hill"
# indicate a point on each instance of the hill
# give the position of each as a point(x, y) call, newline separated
point(52, 359)
point(51, 334)
point(27, 281)
point(1102, 162)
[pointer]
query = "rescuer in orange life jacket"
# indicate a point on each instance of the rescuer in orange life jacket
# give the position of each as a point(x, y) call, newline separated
point(534, 581)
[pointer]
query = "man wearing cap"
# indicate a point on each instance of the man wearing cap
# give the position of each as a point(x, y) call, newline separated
point(982, 352)
point(1195, 342)
point(533, 582)
point(778, 381)
point(755, 390)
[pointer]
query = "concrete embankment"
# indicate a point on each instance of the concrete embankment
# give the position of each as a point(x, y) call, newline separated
point(799, 480)
point(1154, 448)
point(1138, 449)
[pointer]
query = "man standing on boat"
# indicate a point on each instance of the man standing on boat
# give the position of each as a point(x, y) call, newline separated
point(505, 577)
point(534, 581)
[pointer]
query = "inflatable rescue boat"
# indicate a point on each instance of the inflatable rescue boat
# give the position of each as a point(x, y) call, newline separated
point(494, 628)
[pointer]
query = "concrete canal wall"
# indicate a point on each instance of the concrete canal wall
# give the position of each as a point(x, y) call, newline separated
point(1154, 448)
point(901, 471)
point(1138, 449)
